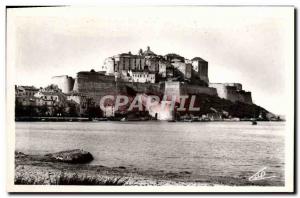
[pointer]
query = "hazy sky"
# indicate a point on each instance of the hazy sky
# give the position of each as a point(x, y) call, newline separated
point(250, 45)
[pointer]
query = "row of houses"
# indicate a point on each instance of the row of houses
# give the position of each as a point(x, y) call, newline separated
point(52, 97)
point(32, 96)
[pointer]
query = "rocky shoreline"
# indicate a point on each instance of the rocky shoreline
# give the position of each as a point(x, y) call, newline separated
point(50, 170)
point(38, 169)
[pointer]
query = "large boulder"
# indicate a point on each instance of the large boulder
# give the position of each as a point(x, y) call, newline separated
point(71, 156)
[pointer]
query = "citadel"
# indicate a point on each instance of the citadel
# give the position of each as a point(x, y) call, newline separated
point(148, 72)
point(143, 73)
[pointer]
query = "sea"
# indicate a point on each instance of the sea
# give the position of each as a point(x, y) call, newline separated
point(214, 149)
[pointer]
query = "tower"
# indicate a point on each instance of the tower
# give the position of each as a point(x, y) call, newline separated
point(201, 67)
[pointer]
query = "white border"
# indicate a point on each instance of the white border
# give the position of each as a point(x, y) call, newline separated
point(10, 149)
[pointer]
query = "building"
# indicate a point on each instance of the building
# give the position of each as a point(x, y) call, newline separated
point(238, 86)
point(49, 98)
point(142, 76)
point(129, 61)
point(168, 66)
point(109, 111)
point(26, 101)
point(109, 66)
point(184, 68)
point(152, 63)
point(162, 68)
point(82, 101)
point(25, 91)
point(172, 57)
point(138, 65)
point(124, 61)
point(25, 95)
point(200, 66)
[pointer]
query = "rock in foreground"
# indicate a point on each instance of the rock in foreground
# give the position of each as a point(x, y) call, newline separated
point(71, 156)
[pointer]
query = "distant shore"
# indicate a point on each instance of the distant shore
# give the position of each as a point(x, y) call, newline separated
point(35, 169)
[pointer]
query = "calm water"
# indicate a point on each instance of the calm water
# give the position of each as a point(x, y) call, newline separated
point(212, 148)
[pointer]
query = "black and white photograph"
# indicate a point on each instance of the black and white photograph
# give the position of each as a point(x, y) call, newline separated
point(150, 98)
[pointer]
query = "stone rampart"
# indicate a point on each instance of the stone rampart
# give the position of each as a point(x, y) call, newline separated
point(64, 82)
point(195, 89)
point(232, 92)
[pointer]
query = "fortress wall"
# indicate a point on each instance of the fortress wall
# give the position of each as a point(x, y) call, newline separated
point(64, 82)
point(195, 89)
point(245, 97)
point(95, 90)
point(172, 89)
point(240, 96)
point(148, 88)
point(234, 95)
point(177, 89)
point(220, 88)
point(96, 85)
point(238, 86)
point(232, 92)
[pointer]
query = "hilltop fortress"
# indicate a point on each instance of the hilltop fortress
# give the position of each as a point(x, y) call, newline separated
point(147, 72)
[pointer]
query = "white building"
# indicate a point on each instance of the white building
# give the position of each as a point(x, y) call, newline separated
point(142, 76)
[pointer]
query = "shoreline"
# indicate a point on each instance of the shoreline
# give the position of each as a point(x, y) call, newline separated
point(42, 171)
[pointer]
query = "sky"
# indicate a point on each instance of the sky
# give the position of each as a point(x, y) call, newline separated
point(249, 45)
